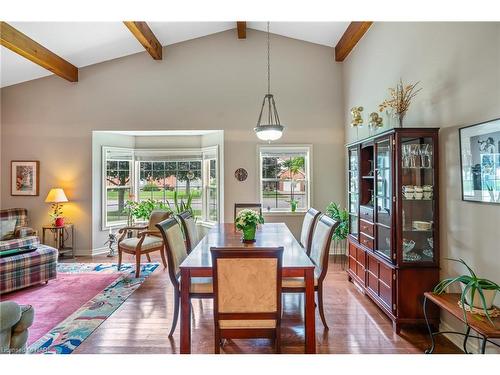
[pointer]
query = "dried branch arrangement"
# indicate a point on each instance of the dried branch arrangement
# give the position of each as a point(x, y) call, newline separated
point(400, 100)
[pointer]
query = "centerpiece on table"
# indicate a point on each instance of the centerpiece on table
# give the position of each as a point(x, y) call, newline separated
point(246, 221)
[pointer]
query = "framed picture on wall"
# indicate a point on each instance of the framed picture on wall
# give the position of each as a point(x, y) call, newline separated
point(480, 162)
point(24, 177)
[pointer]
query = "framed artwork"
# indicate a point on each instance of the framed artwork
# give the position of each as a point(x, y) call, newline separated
point(24, 177)
point(480, 162)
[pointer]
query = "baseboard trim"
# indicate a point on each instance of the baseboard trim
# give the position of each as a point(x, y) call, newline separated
point(100, 251)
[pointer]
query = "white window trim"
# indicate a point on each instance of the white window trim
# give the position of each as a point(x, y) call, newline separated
point(134, 177)
point(309, 171)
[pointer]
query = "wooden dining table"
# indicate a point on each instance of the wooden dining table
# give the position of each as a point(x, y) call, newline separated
point(296, 263)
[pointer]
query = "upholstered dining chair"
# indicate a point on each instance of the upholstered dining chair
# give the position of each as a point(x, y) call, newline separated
point(148, 239)
point(247, 293)
point(308, 224)
point(189, 229)
point(257, 207)
point(320, 246)
point(175, 248)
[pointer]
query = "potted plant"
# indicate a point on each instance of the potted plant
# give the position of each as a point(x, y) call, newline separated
point(293, 205)
point(247, 221)
point(476, 292)
point(340, 215)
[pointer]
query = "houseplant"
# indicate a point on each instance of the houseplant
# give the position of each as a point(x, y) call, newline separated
point(340, 234)
point(247, 221)
point(142, 210)
point(471, 284)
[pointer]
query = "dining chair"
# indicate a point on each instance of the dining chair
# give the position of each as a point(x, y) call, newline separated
point(189, 229)
point(320, 246)
point(306, 233)
point(247, 293)
point(257, 207)
point(148, 240)
point(175, 248)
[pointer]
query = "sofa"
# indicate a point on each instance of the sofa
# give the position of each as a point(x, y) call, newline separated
point(14, 323)
point(14, 230)
point(21, 270)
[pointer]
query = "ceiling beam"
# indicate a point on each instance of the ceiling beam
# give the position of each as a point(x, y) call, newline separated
point(351, 37)
point(146, 37)
point(19, 43)
point(242, 29)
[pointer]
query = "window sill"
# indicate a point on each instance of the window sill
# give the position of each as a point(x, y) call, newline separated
point(284, 213)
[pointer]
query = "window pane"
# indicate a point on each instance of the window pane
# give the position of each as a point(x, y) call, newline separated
point(112, 165)
point(123, 165)
point(195, 165)
point(115, 204)
point(270, 167)
point(146, 166)
point(158, 166)
point(171, 165)
point(183, 166)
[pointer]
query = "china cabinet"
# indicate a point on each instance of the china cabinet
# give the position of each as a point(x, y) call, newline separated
point(393, 206)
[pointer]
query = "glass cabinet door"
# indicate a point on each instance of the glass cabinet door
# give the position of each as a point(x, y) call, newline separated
point(383, 197)
point(353, 190)
point(418, 203)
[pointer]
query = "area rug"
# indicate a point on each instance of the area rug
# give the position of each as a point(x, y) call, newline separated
point(70, 308)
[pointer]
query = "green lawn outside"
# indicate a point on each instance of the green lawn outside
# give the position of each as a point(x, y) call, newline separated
point(158, 195)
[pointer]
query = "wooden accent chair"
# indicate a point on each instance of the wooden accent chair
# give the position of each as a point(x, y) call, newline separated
point(247, 293)
point(257, 207)
point(308, 224)
point(321, 240)
point(148, 240)
point(189, 229)
point(175, 247)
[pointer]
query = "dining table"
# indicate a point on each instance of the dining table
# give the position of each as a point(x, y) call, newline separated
point(295, 263)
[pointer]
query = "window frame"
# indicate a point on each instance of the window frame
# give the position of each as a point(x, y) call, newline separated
point(284, 148)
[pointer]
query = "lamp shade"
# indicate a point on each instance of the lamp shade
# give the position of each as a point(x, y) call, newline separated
point(56, 195)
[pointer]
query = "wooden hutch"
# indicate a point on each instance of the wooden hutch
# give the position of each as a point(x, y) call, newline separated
point(393, 198)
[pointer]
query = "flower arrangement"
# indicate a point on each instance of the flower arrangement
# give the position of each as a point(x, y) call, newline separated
point(247, 221)
point(400, 100)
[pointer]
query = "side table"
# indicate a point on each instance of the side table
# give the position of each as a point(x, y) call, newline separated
point(61, 236)
point(449, 302)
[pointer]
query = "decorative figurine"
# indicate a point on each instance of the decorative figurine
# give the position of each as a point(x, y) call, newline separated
point(357, 120)
point(375, 121)
point(111, 243)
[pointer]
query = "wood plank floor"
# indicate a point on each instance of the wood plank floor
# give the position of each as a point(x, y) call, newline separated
point(142, 323)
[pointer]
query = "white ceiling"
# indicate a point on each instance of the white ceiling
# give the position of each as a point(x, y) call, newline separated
point(102, 41)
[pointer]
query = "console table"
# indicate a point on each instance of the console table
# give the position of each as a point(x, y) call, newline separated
point(61, 235)
point(479, 323)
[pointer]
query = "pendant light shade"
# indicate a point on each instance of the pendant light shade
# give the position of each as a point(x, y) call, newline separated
point(268, 126)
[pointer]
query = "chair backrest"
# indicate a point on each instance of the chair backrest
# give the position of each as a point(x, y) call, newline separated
point(320, 244)
point(257, 207)
point(21, 214)
point(247, 283)
point(189, 229)
point(308, 223)
point(156, 217)
point(174, 247)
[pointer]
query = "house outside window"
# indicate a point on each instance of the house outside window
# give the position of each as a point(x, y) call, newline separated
point(284, 177)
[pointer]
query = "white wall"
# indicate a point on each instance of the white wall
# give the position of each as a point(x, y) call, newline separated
point(458, 65)
point(215, 82)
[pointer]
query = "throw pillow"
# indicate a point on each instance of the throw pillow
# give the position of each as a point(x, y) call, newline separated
point(7, 228)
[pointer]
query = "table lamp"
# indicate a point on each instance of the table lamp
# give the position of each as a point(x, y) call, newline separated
point(56, 196)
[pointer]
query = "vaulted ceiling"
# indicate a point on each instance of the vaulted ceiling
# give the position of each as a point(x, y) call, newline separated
point(86, 43)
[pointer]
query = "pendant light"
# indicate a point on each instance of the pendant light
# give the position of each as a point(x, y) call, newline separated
point(268, 126)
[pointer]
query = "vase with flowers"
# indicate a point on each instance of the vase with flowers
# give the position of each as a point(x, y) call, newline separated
point(246, 222)
point(400, 100)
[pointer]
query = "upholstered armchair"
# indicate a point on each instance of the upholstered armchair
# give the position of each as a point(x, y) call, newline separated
point(148, 240)
point(14, 230)
point(14, 323)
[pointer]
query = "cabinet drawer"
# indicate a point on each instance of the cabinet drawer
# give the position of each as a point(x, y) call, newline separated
point(365, 240)
point(360, 256)
point(366, 227)
point(366, 213)
point(385, 274)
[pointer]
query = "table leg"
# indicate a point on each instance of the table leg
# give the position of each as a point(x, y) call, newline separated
point(185, 312)
point(310, 321)
point(483, 345)
point(465, 339)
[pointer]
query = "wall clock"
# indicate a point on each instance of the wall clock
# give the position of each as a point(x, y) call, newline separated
point(241, 174)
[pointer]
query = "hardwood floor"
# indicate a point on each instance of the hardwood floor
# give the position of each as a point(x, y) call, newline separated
point(142, 323)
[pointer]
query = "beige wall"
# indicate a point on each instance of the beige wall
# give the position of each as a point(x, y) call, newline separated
point(215, 82)
point(458, 65)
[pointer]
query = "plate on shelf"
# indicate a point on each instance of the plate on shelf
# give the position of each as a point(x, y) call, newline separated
point(412, 257)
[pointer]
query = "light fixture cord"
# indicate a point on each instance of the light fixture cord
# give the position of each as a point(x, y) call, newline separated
point(268, 62)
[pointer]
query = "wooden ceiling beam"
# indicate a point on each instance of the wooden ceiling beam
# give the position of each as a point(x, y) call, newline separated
point(242, 29)
point(351, 37)
point(21, 44)
point(145, 36)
